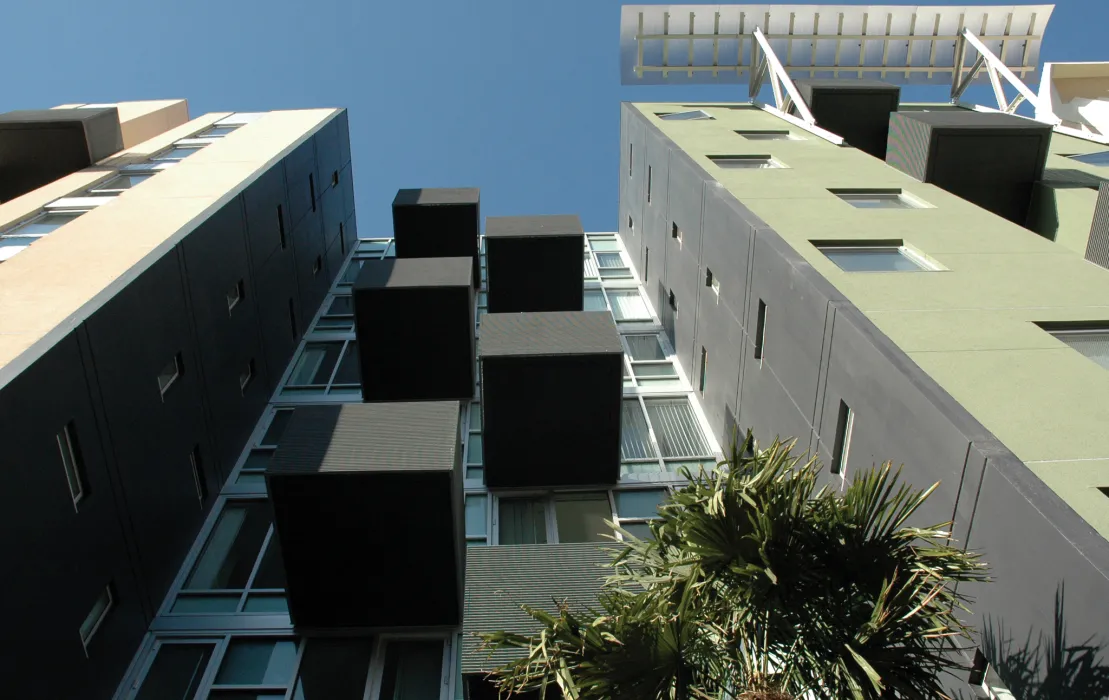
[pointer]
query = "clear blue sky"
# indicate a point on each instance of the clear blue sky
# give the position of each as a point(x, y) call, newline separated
point(519, 98)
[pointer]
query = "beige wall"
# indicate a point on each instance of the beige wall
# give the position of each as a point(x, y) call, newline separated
point(52, 282)
point(140, 121)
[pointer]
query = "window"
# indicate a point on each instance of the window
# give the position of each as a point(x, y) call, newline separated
point(661, 435)
point(476, 519)
point(119, 184)
point(235, 295)
point(475, 455)
point(612, 266)
point(684, 116)
point(312, 190)
point(170, 374)
point(246, 376)
point(704, 370)
point(628, 305)
point(338, 315)
point(644, 347)
point(252, 474)
point(200, 481)
point(176, 671)
point(177, 153)
point(646, 262)
point(71, 462)
point(216, 132)
point(630, 160)
point(891, 257)
point(676, 233)
point(522, 521)
point(648, 184)
point(631, 224)
point(333, 669)
point(594, 300)
point(745, 162)
point(334, 178)
point(672, 301)
point(647, 366)
point(845, 423)
point(636, 509)
point(412, 669)
point(100, 609)
point(326, 367)
point(342, 241)
point(768, 136)
point(257, 662)
point(317, 265)
point(18, 239)
point(877, 199)
point(281, 226)
point(1100, 158)
point(1093, 343)
point(561, 517)
point(580, 517)
point(760, 330)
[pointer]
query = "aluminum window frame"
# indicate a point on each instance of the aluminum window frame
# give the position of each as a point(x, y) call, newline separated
point(88, 636)
point(376, 675)
point(904, 199)
point(549, 496)
point(330, 391)
point(68, 446)
point(769, 135)
point(762, 161)
point(922, 262)
point(98, 190)
point(685, 116)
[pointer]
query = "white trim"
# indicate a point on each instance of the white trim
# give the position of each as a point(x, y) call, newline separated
point(801, 124)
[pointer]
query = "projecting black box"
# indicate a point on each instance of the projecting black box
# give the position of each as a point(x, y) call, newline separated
point(990, 159)
point(438, 223)
point(41, 145)
point(534, 263)
point(414, 320)
point(551, 391)
point(368, 510)
point(857, 110)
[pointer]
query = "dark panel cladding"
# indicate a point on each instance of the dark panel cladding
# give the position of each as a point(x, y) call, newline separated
point(329, 154)
point(221, 291)
point(279, 314)
point(535, 366)
point(534, 263)
point(500, 579)
point(857, 110)
point(153, 402)
point(341, 481)
point(61, 555)
point(438, 223)
point(39, 146)
point(300, 179)
point(269, 226)
point(992, 160)
point(312, 274)
point(414, 320)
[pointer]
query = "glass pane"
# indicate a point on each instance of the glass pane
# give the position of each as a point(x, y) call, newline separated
point(628, 305)
point(124, 181)
point(635, 442)
point(339, 325)
point(1099, 158)
point(216, 131)
point(271, 572)
point(475, 474)
point(206, 604)
point(639, 530)
point(685, 116)
point(176, 153)
point(676, 428)
point(341, 305)
point(315, 364)
point(594, 300)
point(605, 260)
point(581, 517)
point(590, 267)
point(372, 246)
point(349, 372)
point(10, 246)
point(412, 670)
point(232, 547)
point(876, 201)
point(257, 662)
point(522, 521)
point(744, 163)
point(476, 452)
point(475, 416)
point(1094, 345)
point(603, 245)
point(871, 260)
point(261, 603)
point(277, 427)
point(46, 223)
point(765, 135)
point(616, 273)
point(251, 479)
point(258, 459)
point(664, 369)
point(639, 504)
point(475, 516)
point(176, 672)
point(333, 669)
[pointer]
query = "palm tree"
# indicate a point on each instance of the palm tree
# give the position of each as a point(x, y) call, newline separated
point(759, 585)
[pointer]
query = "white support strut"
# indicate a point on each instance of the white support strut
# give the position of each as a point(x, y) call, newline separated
point(997, 70)
point(780, 79)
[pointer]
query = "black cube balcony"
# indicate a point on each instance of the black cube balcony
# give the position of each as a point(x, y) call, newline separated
point(368, 510)
point(414, 320)
point(41, 145)
point(534, 263)
point(438, 223)
point(551, 390)
point(990, 159)
point(857, 110)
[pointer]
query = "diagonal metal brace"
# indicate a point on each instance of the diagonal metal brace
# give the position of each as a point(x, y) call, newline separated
point(779, 79)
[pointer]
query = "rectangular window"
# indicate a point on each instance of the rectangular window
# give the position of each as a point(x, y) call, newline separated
point(877, 199)
point(331, 669)
point(760, 330)
point(1100, 158)
point(170, 374)
point(704, 369)
point(648, 184)
point(72, 463)
point(745, 162)
point(312, 190)
point(768, 136)
point(581, 517)
point(342, 241)
point(95, 618)
point(246, 376)
point(891, 256)
point(177, 153)
point(636, 509)
point(684, 116)
point(628, 305)
point(216, 132)
point(476, 518)
point(281, 226)
point(522, 521)
point(233, 547)
point(199, 480)
point(119, 184)
point(676, 428)
point(235, 295)
point(845, 423)
point(630, 154)
point(644, 348)
point(412, 669)
point(177, 671)
point(672, 301)
point(631, 224)
point(676, 233)
point(334, 178)
point(1092, 343)
point(257, 661)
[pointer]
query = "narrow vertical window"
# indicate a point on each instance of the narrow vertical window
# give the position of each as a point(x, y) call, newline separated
point(646, 261)
point(342, 240)
point(631, 224)
point(675, 232)
point(104, 603)
point(760, 330)
point(673, 301)
point(648, 184)
point(199, 480)
point(235, 295)
point(246, 376)
point(708, 277)
point(292, 318)
point(312, 190)
point(281, 226)
point(845, 423)
point(317, 265)
point(630, 154)
point(71, 462)
point(704, 369)
point(170, 374)
point(334, 178)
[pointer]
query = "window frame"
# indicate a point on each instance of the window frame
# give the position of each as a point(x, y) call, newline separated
point(71, 447)
point(329, 391)
point(376, 675)
point(903, 199)
point(98, 190)
point(179, 370)
point(768, 135)
point(922, 262)
point(763, 161)
point(550, 496)
point(681, 116)
point(160, 157)
point(88, 636)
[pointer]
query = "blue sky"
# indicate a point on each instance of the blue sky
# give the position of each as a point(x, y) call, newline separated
point(518, 98)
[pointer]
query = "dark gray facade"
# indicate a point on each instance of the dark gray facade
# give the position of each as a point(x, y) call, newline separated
point(152, 457)
point(534, 263)
point(857, 110)
point(818, 352)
